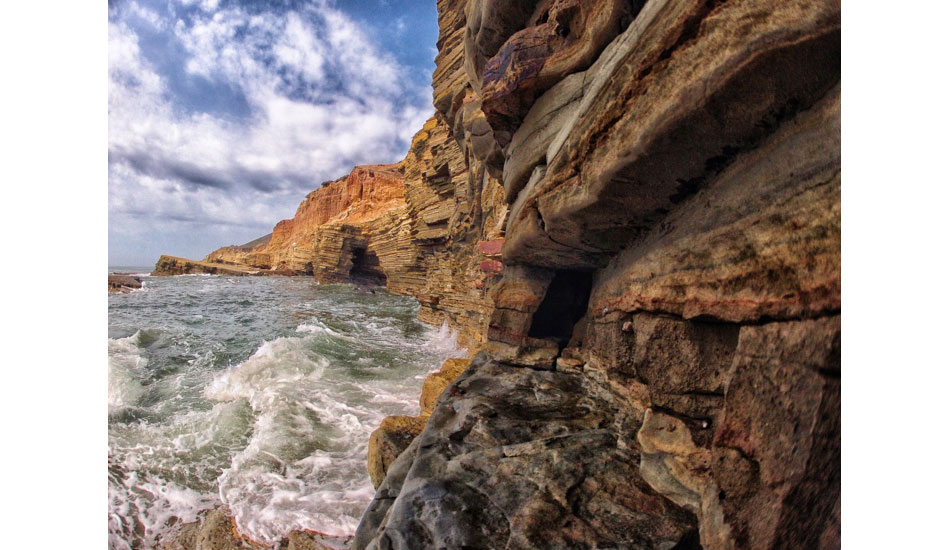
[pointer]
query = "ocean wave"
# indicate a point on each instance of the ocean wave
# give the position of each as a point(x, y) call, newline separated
point(280, 437)
point(127, 365)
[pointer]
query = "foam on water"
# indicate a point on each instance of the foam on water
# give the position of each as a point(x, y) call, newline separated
point(271, 417)
point(305, 465)
point(126, 367)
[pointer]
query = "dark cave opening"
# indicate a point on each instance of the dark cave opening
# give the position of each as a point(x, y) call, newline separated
point(308, 269)
point(366, 268)
point(565, 302)
point(689, 541)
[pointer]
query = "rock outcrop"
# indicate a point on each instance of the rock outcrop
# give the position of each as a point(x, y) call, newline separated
point(244, 254)
point(217, 530)
point(172, 265)
point(661, 365)
point(123, 284)
point(422, 227)
point(396, 433)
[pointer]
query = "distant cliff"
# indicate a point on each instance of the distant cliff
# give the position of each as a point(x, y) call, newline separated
point(631, 211)
point(420, 227)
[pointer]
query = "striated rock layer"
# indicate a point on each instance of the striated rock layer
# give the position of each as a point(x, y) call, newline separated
point(661, 362)
point(423, 227)
point(172, 265)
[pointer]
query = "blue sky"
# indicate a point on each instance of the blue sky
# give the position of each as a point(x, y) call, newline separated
point(223, 114)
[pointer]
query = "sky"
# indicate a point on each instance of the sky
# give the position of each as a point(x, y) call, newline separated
point(224, 114)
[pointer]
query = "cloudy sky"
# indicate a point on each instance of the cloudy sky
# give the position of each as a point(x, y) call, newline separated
point(224, 114)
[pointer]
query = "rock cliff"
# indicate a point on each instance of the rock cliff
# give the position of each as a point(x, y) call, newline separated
point(631, 211)
point(662, 359)
point(423, 227)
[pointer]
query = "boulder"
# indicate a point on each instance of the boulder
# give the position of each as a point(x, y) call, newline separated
point(436, 382)
point(388, 441)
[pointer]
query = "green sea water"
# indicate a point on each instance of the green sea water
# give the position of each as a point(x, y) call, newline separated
point(256, 392)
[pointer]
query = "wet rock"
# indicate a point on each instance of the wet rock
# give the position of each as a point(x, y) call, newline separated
point(300, 540)
point(186, 538)
point(436, 383)
point(516, 457)
point(388, 441)
point(124, 283)
point(218, 532)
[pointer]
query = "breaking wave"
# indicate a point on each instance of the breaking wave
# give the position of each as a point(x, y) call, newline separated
point(257, 393)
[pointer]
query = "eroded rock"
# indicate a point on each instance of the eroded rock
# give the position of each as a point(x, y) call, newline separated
point(684, 179)
point(124, 283)
point(436, 383)
point(388, 441)
point(516, 457)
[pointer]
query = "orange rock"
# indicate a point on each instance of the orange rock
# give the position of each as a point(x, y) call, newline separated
point(391, 438)
point(436, 383)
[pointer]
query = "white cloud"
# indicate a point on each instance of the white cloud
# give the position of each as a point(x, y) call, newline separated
point(321, 97)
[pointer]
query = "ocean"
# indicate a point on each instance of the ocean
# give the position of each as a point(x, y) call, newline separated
point(256, 392)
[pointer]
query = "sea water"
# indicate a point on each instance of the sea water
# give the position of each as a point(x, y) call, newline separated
point(256, 392)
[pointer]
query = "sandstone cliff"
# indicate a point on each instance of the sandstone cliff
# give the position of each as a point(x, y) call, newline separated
point(239, 254)
point(422, 227)
point(662, 365)
point(631, 210)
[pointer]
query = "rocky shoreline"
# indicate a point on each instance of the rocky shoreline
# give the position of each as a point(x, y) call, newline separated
point(631, 212)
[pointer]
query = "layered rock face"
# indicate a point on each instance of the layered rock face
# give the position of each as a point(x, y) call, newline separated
point(245, 254)
point(424, 227)
point(172, 265)
point(661, 362)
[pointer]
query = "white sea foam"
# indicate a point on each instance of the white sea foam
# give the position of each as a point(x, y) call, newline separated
point(150, 505)
point(280, 437)
point(126, 364)
point(316, 327)
point(304, 466)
